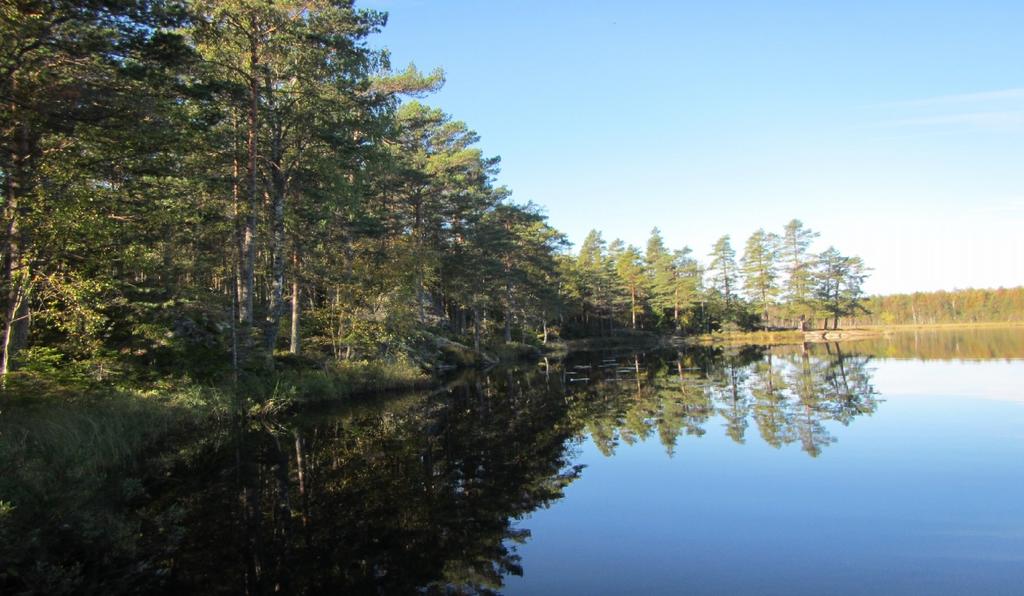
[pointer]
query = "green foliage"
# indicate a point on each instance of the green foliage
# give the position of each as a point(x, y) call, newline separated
point(798, 262)
point(674, 280)
point(758, 267)
point(180, 174)
point(777, 284)
point(838, 285)
point(722, 270)
point(630, 271)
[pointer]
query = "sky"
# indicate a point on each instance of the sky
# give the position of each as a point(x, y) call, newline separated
point(896, 130)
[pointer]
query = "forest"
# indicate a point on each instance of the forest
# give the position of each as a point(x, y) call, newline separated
point(1002, 305)
point(216, 212)
point(222, 189)
point(194, 187)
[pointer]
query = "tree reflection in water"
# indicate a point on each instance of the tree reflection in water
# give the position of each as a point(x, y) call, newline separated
point(417, 493)
point(421, 492)
point(788, 393)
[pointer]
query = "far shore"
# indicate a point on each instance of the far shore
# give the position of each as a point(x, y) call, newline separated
point(925, 326)
point(831, 335)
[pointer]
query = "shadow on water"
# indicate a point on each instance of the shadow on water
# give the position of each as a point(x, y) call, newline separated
point(422, 492)
point(415, 493)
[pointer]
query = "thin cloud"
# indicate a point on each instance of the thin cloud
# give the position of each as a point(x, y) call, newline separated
point(1009, 209)
point(961, 98)
point(997, 120)
point(1000, 110)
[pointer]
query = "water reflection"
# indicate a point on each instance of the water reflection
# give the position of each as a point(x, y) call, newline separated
point(436, 491)
point(420, 493)
point(995, 343)
point(416, 494)
point(787, 394)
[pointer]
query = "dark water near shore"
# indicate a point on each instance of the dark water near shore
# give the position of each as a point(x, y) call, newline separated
point(893, 465)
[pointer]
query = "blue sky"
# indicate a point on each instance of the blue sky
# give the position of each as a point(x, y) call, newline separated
point(894, 129)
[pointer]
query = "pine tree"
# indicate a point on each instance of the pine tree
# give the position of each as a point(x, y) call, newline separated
point(596, 284)
point(630, 271)
point(798, 264)
point(839, 285)
point(759, 270)
point(76, 78)
point(722, 269)
point(672, 277)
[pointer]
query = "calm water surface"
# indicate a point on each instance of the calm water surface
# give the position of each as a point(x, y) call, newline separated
point(903, 475)
point(874, 467)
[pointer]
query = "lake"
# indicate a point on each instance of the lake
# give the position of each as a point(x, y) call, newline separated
point(889, 465)
point(833, 472)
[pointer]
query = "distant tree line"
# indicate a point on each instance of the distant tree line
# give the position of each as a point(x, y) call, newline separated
point(778, 282)
point(956, 306)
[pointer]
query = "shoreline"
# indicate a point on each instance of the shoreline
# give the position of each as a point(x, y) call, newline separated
point(832, 335)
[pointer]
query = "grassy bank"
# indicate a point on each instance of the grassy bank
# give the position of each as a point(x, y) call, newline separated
point(78, 462)
point(54, 436)
point(79, 427)
point(74, 468)
point(748, 337)
point(294, 387)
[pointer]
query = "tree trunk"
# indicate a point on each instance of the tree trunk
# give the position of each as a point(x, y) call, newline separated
point(421, 292)
point(247, 245)
point(278, 190)
point(508, 310)
point(675, 307)
point(460, 320)
point(15, 323)
point(167, 274)
point(16, 276)
point(300, 468)
point(237, 252)
point(476, 328)
point(234, 321)
point(632, 304)
point(764, 301)
point(295, 341)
